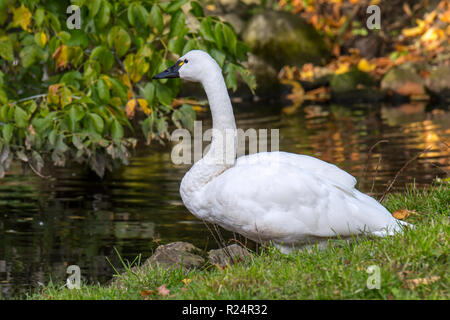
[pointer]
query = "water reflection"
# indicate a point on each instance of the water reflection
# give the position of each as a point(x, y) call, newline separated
point(78, 219)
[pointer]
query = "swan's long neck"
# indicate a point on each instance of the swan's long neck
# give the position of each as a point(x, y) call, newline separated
point(222, 152)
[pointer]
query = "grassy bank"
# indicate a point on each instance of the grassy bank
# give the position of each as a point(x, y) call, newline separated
point(412, 266)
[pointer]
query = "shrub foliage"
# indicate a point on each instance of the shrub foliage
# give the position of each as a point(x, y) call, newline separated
point(70, 93)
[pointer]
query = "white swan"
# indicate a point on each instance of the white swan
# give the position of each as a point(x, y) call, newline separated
point(288, 199)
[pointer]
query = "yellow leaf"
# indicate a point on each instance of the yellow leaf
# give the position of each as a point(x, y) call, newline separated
point(41, 39)
point(401, 214)
point(53, 97)
point(144, 106)
point(430, 35)
point(366, 66)
point(22, 17)
point(342, 68)
point(130, 107)
point(62, 56)
point(412, 32)
point(186, 281)
point(108, 82)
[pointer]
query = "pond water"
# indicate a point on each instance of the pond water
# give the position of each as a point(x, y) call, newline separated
point(77, 218)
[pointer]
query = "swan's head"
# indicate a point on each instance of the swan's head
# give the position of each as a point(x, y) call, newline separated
point(196, 65)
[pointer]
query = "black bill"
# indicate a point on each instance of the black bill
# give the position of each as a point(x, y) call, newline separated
point(171, 72)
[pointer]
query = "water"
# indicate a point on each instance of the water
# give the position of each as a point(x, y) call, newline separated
point(47, 225)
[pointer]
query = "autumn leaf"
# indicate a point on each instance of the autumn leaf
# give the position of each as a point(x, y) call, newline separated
point(162, 290)
point(414, 283)
point(366, 66)
point(130, 108)
point(146, 293)
point(22, 17)
point(342, 68)
point(402, 214)
point(61, 56)
point(186, 281)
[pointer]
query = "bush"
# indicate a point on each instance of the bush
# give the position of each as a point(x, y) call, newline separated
point(69, 93)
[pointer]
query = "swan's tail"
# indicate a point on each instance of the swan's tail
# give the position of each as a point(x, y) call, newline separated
point(397, 227)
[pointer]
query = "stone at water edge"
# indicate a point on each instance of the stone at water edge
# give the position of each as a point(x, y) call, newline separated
point(227, 255)
point(176, 253)
point(403, 80)
point(438, 83)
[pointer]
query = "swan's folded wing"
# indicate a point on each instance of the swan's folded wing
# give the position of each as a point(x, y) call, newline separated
point(288, 203)
point(331, 172)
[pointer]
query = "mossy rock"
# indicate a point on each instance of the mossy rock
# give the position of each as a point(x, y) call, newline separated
point(403, 80)
point(350, 80)
point(438, 83)
point(282, 38)
point(355, 86)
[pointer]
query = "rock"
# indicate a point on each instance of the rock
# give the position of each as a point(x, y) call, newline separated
point(354, 86)
point(438, 83)
point(369, 46)
point(403, 80)
point(283, 38)
point(176, 253)
point(227, 255)
point(266, 77)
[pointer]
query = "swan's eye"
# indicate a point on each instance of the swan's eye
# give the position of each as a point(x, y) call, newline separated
point(186, 61)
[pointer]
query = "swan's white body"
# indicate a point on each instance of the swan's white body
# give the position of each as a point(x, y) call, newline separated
point(288, 199)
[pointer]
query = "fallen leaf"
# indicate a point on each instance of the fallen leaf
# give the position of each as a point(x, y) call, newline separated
point(146, 293)
point(186, 281)
point(162, 290)
point(366, 66)
point(402, 214)
point(413, 283)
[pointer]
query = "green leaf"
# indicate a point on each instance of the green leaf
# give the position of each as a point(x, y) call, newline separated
point(196, 9)
point(206, 29)
point(218, 35)
point(177, 24)
point(6, 50)
point(28, 56)
point(103, 56)
point(97, 122)
point(122, 42)
point(94, 7)
point(230, 38)
point(164, 95)
point(190, 45)
point(149, 92)
point(156, 18)
point(39, 16)
point(60, 146)
point(103, 91)
point(142, 15)
point(103, 15)
point(7, 132)
point(218, 55)
point(20, 117)
point(175, 5)
point(186, 115)
point(116, 130)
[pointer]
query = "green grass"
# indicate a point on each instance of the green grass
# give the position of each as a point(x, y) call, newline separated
point(338, 272)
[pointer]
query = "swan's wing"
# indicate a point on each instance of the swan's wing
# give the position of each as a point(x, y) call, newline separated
point(287, 204)
point(310, 164)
